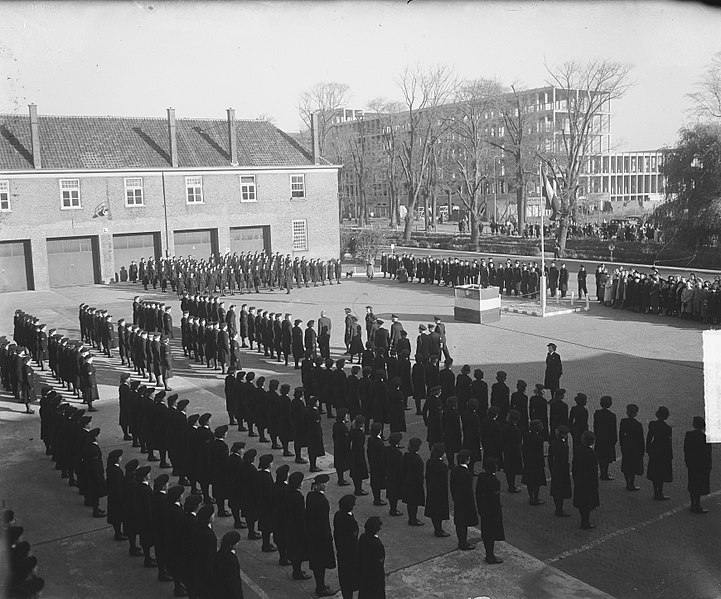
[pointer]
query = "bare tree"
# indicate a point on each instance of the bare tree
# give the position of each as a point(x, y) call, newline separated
point(706, 101)
point(467, 151)
point(424, 91)
point(519, 142)
point(389, 115)
point(323, 99)
point(584, 92)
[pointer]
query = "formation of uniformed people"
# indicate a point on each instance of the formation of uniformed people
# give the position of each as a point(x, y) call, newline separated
point(20, 578)
point(239, 272)
point(466, 423)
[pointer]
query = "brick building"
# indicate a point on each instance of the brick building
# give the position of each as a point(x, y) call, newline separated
point(82, 196)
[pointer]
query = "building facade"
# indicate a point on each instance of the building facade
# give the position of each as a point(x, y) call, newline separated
point(610, 181)
point(82, 196)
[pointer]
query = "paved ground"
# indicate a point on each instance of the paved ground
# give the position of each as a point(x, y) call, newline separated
point(641, 548)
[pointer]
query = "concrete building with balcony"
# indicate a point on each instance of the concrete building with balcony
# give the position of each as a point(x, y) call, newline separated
point(82, 196)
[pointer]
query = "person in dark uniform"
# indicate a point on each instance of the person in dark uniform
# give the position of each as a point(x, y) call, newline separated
point(159, 508)
point(320, 538)
point(376, 463)
point(554, 368)
point(227, 583)
point(534, 469)
point(393, 458)
point(280, 515)
point(491, 436)
point(218, 453)
point(371, 561)
point(314, 433)
point(631, 442)
point(130, 524)
point(585, 479)
point(297, 534)
point(357, 457)
point(660, 453)
point(345, 536)
point(341, 446)
point(264, 489)
point(512, 445)
point(94, 473)
point(114, 486)
point(412, 473)
point(697, 456)
point(501, 395)
point(558, 465)
point(144, 513)
point(297, 418)
point(578, 418)
point(173, 527)
point(248, 493)
point(464, 509)
point(488, 503)
point(437, 508)
point(205, 547)
point(297, 343)
point(604, 427)
point(234, 476)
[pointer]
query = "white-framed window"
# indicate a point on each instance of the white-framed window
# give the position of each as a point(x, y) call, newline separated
point(5, 196)
point(134, 192)
point(247, 188)
point(70, 194)
point(194, 190)
point(297, 187)
point(300, 235)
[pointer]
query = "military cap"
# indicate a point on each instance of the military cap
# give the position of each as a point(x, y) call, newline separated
point(421, 327)
point(297, 321)
point(142, 472)
point(295, 479)
point(183, 403)
point(265, 460)
point(171, 399)
point(142, 388)
point(347, 309)
point(237, 446)
point(84, 420)
point(395, 438)
point(414, 443)
point(221, 431)
point(553, 345)
point(193, 418)
point(161, 480)
point(205, 513)
point(134, 385)
point(131, 465)
point(321, 479)
point(124, 377)
point(281, 472)
point(204, 418)
point(250, 455)
point(193, 501)
point(115, 454)
point(45, 390)
point(230, 538)
point(379, 321)
point(174, 493)
point(161, 395)
point(346, 503)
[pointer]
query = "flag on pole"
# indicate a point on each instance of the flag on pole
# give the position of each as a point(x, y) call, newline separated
point(550, 193)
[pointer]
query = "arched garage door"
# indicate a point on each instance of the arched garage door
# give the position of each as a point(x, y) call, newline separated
point(73, 261)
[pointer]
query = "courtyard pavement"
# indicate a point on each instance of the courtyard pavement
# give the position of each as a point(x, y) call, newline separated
point(640, 548)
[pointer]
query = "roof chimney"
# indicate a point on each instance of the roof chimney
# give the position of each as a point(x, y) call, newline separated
point(232, 141)
point(315, 137)
point(35, 136)
point(172, 133)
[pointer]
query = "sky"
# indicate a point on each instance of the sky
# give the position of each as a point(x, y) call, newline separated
point(139, 58)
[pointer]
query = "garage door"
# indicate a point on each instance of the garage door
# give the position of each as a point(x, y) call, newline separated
point(249, 239)
point(200, 243)
point(73, 261)
point(14, 266)
point(134, 246)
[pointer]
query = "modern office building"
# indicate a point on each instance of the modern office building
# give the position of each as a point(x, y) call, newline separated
point(82, 196)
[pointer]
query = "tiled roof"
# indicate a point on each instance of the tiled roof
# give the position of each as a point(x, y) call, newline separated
point(78, 142)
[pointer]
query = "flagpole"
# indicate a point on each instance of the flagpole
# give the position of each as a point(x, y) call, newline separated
point(543, 248)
